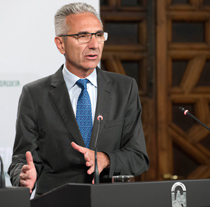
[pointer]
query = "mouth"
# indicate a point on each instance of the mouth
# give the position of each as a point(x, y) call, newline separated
point(91, 56)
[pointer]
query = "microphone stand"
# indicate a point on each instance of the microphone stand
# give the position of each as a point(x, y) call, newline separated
point(96, 174)
point(2, 178)
point(186, 112)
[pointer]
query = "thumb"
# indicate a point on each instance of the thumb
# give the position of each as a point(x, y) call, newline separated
point(29, 159)
point(79, 148)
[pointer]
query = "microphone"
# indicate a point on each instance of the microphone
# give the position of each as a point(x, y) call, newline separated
point(96, 174)
point(186, 112)
point(2, 178)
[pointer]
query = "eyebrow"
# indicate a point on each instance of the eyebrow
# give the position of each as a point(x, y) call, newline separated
point(86, 32)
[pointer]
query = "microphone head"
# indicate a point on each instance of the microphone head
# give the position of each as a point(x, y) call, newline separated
point(181, 108)
point(184, 110)
point(100, 118)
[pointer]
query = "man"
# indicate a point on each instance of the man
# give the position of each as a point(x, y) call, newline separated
point(57, 115)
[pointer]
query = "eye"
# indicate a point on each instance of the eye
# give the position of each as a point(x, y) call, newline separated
point(99, 34)
point(82, 35)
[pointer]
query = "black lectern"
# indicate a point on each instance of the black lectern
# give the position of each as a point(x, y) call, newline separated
point(14, 197)
point(186, 193)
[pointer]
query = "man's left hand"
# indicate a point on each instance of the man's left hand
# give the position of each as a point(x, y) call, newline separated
point(89, 155)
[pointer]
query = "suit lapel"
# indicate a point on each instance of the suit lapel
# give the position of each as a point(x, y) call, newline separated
point(60, 96)
point(61, 99)
point(103, 103)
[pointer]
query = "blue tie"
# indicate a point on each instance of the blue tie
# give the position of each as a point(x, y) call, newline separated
point(84, 112)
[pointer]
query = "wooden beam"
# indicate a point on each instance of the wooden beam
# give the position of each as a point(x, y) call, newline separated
point(163, 140)
point(192, 73)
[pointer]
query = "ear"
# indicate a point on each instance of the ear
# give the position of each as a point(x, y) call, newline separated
point(60, 44)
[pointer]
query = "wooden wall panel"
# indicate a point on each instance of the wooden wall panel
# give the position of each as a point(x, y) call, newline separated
point(175, 135)
point(171, 62)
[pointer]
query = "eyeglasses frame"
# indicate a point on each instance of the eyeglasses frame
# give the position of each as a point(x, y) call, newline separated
point(94, 33)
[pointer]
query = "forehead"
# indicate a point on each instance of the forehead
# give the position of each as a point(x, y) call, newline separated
point(83, 22)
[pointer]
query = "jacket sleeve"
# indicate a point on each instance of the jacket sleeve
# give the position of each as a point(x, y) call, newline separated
point(27, 133)
point(131, 158)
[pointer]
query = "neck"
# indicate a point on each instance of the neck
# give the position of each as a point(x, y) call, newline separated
point(81, 73)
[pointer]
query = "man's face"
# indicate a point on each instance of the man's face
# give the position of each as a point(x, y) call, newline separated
point(82, 58)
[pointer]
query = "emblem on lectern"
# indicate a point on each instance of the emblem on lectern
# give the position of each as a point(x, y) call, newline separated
point(178, 195)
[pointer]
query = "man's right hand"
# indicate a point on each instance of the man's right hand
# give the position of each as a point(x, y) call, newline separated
point(28, 173)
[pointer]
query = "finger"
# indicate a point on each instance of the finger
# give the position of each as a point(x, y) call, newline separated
point(91, 170)
point(83, 150)
point(24, 183)
point(93, 181)
point(24, 176)
point(25, 168)
point(29, 159)
point(87, 156)
point(88, 164)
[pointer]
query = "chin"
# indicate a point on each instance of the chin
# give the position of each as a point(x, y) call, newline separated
point(90, 67)
point(89, 64)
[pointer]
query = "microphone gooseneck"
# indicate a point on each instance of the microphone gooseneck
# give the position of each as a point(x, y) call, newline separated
point(96, 174)
point(186, 112)
point(2, 178)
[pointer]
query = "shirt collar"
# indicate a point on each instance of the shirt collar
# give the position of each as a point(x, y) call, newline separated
point(71, 79)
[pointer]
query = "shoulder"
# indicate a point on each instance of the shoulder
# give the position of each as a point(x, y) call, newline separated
point(45, 82)
point(114, 76)
point(39, 82)
point(118, 80)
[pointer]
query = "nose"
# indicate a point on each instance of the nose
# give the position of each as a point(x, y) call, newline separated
point(93, 44)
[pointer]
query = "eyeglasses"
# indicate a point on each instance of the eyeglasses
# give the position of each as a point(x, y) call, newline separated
point(86, 37)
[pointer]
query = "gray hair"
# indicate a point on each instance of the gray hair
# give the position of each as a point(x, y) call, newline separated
point(74, 8)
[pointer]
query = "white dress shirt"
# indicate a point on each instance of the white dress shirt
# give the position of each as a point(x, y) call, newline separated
point(74, 90)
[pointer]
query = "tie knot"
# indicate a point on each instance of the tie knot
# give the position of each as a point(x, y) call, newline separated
point(82, 83)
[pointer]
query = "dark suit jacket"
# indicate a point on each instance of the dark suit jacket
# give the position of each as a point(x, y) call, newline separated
point(46, 126)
